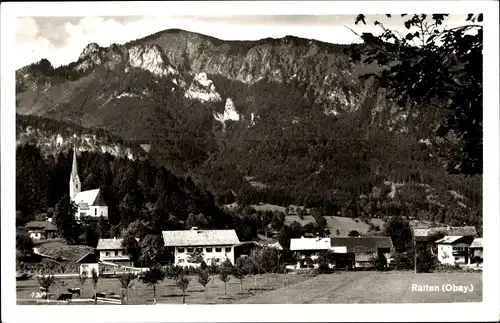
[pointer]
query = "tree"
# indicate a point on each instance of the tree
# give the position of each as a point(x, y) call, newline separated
point(214, 269)
point(400, 232)
point(45, 282)
point(183, 284)
point(204, 278)
point(152, 277)
point(82, 278)
point(24, 243)
point(353, 233)
point(91, 235)
point(152, 247)
point(241, 269)
point(225, 270)
point(95, 281)
point(64, 219)
point(126, 281)
point(131, 246)
point(195, 257)
point(175, 272)
point(437, 70)
point(325, 259)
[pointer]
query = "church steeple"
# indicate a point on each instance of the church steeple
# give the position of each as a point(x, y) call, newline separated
point(74, 180)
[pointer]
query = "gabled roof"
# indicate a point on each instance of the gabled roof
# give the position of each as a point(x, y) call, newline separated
point(110, 244)
point(477, 243)
point(454, 240)
point(196, 237)
point(310, 244)
point(422, 234)
point(41, 225)
point(89, 258)
point(90, 197)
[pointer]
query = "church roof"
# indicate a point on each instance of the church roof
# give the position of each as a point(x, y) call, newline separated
point(90, 197)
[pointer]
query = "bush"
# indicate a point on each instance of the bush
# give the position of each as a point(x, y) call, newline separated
point(426, 261)
point(380, 263)
point(403, 260)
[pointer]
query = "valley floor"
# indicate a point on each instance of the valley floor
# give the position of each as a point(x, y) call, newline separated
point(336, 288)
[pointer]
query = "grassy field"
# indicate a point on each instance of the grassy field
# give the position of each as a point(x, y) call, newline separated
point(337, 288)
point(373, 287)
point(167, 291)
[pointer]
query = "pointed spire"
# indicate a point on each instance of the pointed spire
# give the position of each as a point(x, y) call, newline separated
point(74, 167)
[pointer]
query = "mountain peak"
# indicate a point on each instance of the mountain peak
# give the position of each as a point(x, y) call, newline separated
point(89, 50)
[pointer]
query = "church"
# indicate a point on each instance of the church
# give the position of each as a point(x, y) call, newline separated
point(90, 203)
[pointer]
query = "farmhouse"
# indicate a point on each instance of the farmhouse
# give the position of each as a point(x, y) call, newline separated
point(90, 203)
point(359, 252)
point(454, 249)
point(349, 252)
point(40, 230)
point(213, 245)
point(307, 250)
point(476, 251)
point(111, 250)
point(88, 262)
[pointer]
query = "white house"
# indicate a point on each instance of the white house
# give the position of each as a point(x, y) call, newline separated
point(90, 203)
point(454, 250)
point(308, 248)
point(111, 250)
point(214, 245)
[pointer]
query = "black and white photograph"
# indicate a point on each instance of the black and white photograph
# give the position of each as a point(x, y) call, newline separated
point(236, 154)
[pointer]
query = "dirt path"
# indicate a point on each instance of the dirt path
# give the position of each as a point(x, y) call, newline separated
point(372, 287)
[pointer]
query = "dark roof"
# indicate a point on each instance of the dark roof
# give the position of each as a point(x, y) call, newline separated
point(41, 225)
point(361, 244)
point(422, 234)
point(89, 258)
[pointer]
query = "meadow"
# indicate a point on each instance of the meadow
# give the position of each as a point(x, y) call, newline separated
point(337, 288)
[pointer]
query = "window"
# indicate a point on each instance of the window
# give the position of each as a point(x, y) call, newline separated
point(95, 211)
point(199, 249)
point(116, 253)
point(180, 250)
point(209, 249)
point(218, 249)
point(107, 253)
point(181, 261)
point(228, 249)
point(190, 249)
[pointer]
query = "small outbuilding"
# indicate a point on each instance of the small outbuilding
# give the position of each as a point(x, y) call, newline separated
point(88, 262)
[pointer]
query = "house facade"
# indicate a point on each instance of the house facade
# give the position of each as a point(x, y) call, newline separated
point(213, 245)
point(453, 250)
point(307, 250)
point(111, 250)
point(41, 230)
point(350, 252)
point(90, 203)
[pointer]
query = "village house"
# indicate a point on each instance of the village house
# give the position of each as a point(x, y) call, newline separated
point(308, 249)
point(214, 245)
point(476, 251)
point(111, 250)
point(40, 230)
point(350, 252)
point(88, 262)
point(90, 203)
point(359, 252)
point(454, 250)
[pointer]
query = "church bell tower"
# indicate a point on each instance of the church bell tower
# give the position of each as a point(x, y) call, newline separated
point(74, 181)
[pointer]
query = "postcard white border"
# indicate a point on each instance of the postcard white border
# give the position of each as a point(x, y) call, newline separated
point(487, 310)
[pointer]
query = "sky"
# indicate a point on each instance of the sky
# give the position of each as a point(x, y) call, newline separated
point(61, 39)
